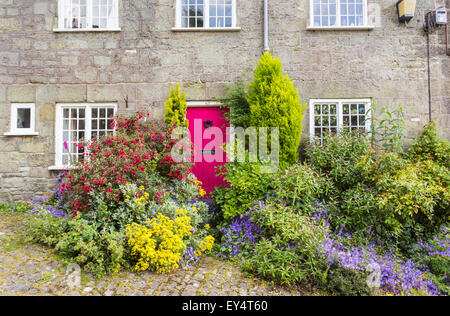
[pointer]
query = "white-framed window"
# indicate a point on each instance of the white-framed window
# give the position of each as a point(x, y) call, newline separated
point(22, 120)
point(338, 13)
point(334, 116)
point(88, 15)
point(206, 14)
point(76, 123)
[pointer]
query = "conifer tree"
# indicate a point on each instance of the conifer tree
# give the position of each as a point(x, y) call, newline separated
point(176, 108)
point(274, 102)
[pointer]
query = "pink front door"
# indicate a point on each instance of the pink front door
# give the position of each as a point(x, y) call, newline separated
point(208, 128)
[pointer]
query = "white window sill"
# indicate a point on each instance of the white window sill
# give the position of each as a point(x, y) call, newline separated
point(206, 29)
point(340, 28)
point(86, 30)
point(21, 134)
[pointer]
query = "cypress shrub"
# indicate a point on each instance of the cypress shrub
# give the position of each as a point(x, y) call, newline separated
point(274, 102)
point(176, 108)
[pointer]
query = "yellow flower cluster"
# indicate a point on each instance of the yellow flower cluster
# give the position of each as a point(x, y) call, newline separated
point(199, 184)
point(159, 245)
point(205, 245)
point(141, 200)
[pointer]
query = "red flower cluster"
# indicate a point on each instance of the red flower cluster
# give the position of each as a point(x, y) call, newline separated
point(137, 149)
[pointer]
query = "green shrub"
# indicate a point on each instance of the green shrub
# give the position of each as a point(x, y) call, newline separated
point(428, 146)
point(77, 241)
point(274, 102)
point(247, 184)
point(176, 108)
point(289, 253)
point(236, 100)
point(357, 210)
point(345, 282)
point(338, 156)
point(411, 196)
point(301, 187)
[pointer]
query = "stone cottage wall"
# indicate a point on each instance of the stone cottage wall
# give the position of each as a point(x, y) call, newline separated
point(136, 67)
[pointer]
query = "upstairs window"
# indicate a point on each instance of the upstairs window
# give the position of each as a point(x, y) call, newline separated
point(88, 15)
point(206, 14)
point(339, 13)
point(334, 116)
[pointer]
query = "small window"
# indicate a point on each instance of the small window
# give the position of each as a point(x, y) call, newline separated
point(206, 14)
point(333, 116)
point(338, 13)
point(88, 15)
point(22, 119)
point(76, 123)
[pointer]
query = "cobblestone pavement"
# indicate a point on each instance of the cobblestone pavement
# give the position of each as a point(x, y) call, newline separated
point(34, 270)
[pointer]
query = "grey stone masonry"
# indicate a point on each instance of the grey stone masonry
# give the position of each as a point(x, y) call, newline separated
point(140, 62)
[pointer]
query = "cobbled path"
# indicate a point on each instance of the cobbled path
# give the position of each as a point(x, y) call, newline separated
point(34, 270)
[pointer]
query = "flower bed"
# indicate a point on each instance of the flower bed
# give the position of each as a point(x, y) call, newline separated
point(127, 204)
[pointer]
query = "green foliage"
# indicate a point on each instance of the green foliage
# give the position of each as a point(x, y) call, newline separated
point(428, 146)
point(176, 108)
point(345, 282)
point(21, 207)
point(273, 261)
point(274, 102)
point(382, 192)
point(357, 210)
point(4, 208)
point(300, 186)
point(387, 128)
point(411, 196)
point(76, 241)
point(338, 157)
point(247, 184)
point(289, 253)
point(236, 100)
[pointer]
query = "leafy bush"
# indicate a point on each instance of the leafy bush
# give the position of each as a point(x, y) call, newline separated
point(236, 100)
point(345, 282)
point(78, 242)
point(411, 197)
point(247, 184)
point(338, 156)
point(289, 251)
point(429, 146)
point(274, 102)
point(273, 260)
point(176, 108)
point(301, 186)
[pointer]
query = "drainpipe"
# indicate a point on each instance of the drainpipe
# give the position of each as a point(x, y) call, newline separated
point(266, 26)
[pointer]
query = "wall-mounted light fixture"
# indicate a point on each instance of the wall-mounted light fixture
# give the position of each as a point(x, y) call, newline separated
point(406, 10)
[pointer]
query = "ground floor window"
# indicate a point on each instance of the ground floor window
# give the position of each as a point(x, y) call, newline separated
point(333, 116)
point(76, 123)
point(22, 119)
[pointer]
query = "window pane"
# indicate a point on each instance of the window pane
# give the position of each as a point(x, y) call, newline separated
point(79, 13)
point(221, 13)
point(324, 12)
point(24, 118)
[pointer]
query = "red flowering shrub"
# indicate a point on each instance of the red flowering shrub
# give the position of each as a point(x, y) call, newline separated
point(137, 150)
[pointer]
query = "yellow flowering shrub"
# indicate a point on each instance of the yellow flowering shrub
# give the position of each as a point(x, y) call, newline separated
point(159, 245)
point(205, 245)
point(201, 191)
